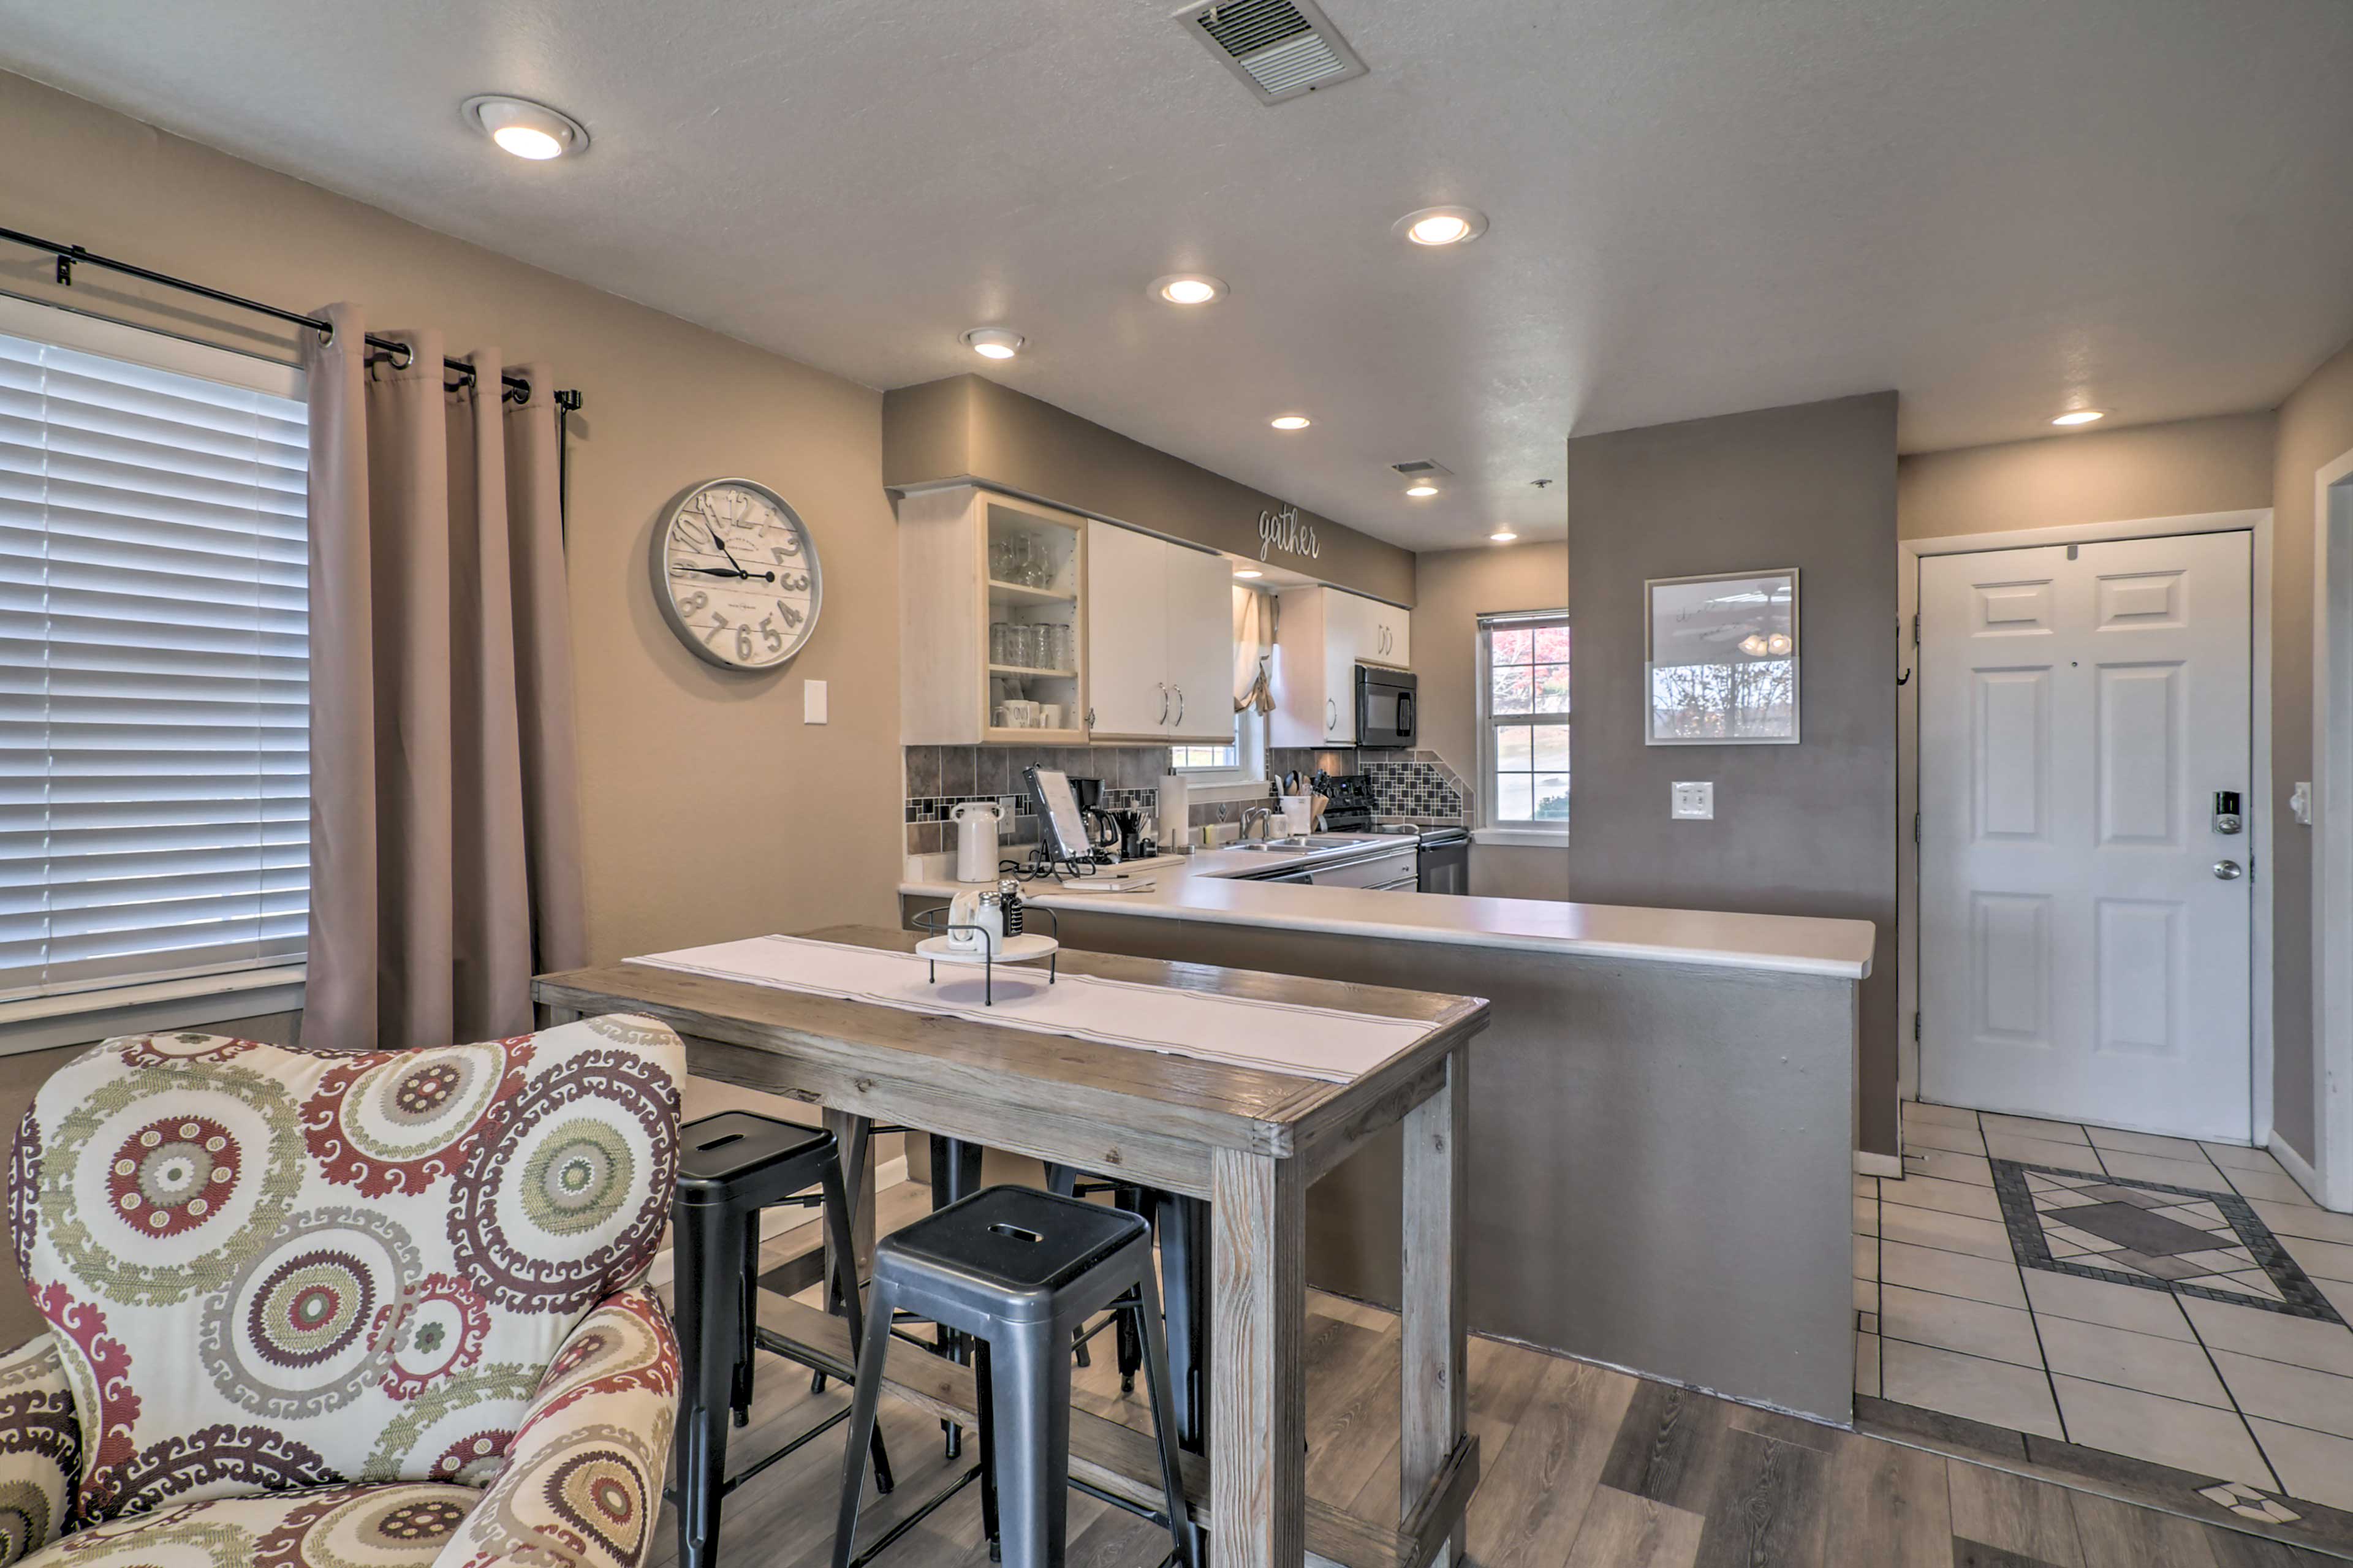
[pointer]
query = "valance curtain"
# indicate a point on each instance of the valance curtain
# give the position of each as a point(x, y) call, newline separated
point(1253, 651)
point(444, 806)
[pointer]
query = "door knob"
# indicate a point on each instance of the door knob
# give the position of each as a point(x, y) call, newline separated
point(2229, 870)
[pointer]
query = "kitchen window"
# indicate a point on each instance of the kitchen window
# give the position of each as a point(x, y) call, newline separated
point(1243, 762)
point(1524, 721)
point(154, 703)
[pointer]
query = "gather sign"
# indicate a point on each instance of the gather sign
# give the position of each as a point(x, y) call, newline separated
point(1281, 530)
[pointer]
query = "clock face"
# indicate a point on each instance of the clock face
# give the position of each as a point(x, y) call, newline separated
point(737, 573)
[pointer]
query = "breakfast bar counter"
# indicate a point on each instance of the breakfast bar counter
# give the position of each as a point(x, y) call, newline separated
point(1249, 1140)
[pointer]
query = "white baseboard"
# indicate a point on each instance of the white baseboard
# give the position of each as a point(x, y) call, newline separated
point(775, 1222)
point(2297, 1166)
point(1869, 1165)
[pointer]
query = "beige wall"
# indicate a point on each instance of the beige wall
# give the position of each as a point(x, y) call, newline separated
point(2316, 428)
point(967, 426)
point(2222, 464)
point(1453, 588)
point(710, 810)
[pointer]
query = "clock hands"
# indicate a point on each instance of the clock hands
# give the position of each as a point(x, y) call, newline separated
point(712, 529)
point(736, 572)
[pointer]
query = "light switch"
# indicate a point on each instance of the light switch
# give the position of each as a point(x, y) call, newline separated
point(812, 701)
point(1692, 801)
point(2299, 801)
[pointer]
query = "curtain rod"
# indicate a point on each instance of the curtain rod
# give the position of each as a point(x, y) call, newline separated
point(72, 255)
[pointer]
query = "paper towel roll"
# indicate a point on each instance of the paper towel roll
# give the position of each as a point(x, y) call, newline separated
point(1176, 811)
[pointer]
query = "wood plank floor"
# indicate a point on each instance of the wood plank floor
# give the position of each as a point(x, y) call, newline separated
point(1583, 1467)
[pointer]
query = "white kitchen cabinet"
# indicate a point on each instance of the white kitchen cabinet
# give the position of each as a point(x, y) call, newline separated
point(1322, 634)
point(952, 690)
point(1160, 638)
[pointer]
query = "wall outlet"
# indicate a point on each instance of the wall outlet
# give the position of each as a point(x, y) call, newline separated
point(2299, 803)
point(812, 701)
point(1693, 801)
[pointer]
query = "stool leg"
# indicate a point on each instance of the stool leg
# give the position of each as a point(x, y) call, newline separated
point(944, 1192)
point(747, 1320)
point(837, 1219)
point(1163, 1430)
point(708, 1248)
point(984, 1397)
point(1131, 1349)
point(1184, 1265)
point(863, 1433)
point(1062, 1181)
point(1030, 1431)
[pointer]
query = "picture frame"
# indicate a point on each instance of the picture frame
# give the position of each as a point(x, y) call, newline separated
point(1721, 659)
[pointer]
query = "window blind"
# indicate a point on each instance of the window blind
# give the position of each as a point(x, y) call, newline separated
point(154, 778)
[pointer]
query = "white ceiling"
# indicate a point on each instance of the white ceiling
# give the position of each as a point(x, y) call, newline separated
point(1998, 208)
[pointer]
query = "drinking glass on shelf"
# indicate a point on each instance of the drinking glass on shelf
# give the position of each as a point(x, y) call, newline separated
point(1060, 649)
point(1033, 654)
point(1040, 565)
point(1000, 642)
point(1000, 557)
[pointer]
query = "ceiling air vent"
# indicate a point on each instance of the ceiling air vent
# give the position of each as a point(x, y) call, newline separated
point(1422, 466)
point(1283, 48)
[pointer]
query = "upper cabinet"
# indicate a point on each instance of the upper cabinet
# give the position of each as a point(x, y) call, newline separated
point(1160, 639)
point(992, 620)
point(1320, 636)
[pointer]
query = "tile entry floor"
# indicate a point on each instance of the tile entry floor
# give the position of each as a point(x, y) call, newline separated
point(2176, 1303)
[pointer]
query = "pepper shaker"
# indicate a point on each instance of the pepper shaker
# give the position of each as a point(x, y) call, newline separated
point(1008, 901)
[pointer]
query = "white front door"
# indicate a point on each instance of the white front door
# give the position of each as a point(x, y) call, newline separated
point(2084, 943)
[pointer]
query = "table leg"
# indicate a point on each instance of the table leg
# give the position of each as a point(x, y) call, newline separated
point(1432, 1318)
point(1258, 1406)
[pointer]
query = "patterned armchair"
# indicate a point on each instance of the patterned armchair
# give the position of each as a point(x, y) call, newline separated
point(313, 1309)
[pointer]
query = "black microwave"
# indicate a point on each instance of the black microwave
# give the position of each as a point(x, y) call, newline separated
point(1385, 706)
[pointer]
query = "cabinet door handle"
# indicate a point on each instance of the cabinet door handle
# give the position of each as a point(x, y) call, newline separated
point(1163, 699)
point(1180, 707)
point(1090, 718)
point(1331, 714)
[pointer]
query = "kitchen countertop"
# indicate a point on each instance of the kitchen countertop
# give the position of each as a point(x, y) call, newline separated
point(1200, 887)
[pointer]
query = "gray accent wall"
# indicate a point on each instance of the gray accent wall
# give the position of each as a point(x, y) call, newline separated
point(1807, 829)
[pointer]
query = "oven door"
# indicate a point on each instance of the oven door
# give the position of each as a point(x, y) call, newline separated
point(1385, 708)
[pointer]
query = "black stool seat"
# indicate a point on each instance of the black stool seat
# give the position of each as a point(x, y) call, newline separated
point(1018, 1244)
point(724, 1156)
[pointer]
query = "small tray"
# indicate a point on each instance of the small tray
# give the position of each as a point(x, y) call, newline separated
point(1024, 949)
point(1027, 947)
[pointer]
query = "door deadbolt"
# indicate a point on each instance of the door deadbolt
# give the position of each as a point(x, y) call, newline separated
point(2226, 811)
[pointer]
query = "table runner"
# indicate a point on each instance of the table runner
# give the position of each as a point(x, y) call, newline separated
point(1276, 1036)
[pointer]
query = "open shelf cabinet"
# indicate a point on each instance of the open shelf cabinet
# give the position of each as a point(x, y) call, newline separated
point(969, 558)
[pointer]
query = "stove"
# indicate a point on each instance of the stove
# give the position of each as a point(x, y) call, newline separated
point(1349, 801)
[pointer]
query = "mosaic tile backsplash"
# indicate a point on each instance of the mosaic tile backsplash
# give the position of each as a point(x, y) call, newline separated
point(1416, 786)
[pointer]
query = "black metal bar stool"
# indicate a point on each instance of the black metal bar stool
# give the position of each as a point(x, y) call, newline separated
point(1181, 1226)
point(1018, 1270)
point(731, 1166)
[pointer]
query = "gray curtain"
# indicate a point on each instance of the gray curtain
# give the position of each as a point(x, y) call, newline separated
point(444, 793)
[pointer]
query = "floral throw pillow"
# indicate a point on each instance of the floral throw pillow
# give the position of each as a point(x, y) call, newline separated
point(269, 1267)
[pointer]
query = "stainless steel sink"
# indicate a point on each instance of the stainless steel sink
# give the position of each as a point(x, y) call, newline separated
point(1281, 846)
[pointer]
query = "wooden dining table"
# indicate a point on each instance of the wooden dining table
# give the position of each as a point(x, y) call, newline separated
point(1247, 1140)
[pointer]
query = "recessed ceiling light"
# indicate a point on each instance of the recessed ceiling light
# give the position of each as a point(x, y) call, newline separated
point(1248, 573)
point(1188, 288)
point(525, 128)
point(1290, 421)
point(1503, 536)
point(2081, 417)
point(1422, 490)
point(1442, 225)
point(994, 342)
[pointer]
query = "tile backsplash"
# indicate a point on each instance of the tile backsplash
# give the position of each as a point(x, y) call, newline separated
point(941, 778)
point(1406, 784)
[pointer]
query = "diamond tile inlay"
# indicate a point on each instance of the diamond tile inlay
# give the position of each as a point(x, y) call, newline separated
point(2159, 1236)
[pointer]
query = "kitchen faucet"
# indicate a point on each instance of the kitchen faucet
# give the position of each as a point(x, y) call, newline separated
point(1265, 816)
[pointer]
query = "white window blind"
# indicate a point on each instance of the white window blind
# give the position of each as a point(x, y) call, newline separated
point(154, 777)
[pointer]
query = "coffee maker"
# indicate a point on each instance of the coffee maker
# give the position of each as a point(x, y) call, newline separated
point(1103, 826)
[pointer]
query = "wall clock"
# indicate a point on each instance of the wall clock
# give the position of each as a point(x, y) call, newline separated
point(737, 573)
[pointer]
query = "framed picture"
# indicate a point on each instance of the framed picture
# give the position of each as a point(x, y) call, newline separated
point(1722, 660)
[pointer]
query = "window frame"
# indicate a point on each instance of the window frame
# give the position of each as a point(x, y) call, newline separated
point(268, 985)
point(1492, 826)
